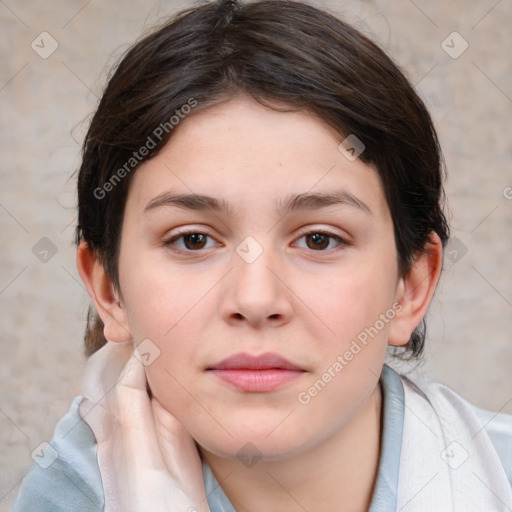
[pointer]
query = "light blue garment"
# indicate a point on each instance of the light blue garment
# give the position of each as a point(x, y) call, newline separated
point(73, 482)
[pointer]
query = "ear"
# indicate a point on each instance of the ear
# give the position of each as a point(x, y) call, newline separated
point(415, 291)
point(106, 299)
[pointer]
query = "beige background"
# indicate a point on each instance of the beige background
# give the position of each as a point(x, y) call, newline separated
point(44, 101)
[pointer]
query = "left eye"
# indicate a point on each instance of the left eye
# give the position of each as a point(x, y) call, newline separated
point(319, 240)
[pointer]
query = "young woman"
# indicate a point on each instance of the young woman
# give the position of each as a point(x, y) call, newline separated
point(260, 218)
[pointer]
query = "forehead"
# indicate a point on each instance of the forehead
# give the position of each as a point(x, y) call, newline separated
point(245, 153)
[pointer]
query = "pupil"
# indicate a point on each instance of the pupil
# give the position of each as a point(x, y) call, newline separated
point(196, 238)
point(317, 239)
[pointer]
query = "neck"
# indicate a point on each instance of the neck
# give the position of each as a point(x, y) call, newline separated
point(339, 472)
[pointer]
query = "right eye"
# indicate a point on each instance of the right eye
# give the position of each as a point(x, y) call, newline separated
point(191, 241)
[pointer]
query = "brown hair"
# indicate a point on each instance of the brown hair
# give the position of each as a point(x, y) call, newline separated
point(276, 51)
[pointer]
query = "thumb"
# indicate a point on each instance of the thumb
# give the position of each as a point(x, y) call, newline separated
point(129, 400)
point(103, 368)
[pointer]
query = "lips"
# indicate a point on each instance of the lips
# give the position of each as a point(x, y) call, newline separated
point(256, 374)
point(248, 362)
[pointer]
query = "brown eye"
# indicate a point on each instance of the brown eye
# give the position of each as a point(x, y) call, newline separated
point(320, 241)
point(317, 241)
point(191, 241)
point(195, 241)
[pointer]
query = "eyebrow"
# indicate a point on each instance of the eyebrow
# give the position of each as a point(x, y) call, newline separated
point(297, 202)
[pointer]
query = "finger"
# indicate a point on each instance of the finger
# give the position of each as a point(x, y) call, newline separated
point(103, 368)
point(130, 400)
point(133, 375)
point(131, 405)
point(178, 448)
point(168, 421)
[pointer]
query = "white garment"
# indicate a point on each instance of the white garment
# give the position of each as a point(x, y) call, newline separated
point(448, 463)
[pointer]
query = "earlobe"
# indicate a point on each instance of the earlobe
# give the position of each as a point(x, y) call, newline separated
point(103, 294)
point(415, 291)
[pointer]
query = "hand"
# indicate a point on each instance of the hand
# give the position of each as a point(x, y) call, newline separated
point(147, 460)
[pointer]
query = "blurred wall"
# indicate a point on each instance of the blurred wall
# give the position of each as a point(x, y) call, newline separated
point(53, 69)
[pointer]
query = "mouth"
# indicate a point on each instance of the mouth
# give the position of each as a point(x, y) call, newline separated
point(256, 374)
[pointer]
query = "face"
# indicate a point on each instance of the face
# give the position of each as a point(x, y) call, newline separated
point(292, 257)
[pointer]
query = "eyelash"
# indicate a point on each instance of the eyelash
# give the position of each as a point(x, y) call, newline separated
point(172, 240)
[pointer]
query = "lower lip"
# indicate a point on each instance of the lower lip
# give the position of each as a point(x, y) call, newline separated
point(258, 380)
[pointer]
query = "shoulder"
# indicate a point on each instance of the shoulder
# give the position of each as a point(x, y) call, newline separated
point(64, 475)
point(496, 426)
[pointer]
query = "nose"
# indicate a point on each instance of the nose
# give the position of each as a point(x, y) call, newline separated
point(256, 292)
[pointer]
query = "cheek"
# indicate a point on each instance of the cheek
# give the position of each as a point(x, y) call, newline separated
point(173, 321)
point(160, 297)
point(354, 303)
point(177, 338)
point(357, 309)
point(164, 311)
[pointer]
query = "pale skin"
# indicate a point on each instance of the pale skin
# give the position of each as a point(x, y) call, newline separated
point(305, 298)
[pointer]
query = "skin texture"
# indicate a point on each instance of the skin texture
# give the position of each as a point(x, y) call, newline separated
point(304, 298)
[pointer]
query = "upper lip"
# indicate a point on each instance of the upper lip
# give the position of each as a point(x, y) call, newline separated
point(244, 361)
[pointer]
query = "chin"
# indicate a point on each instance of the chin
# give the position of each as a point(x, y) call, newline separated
point(254, 446)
